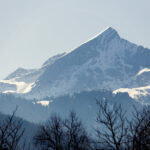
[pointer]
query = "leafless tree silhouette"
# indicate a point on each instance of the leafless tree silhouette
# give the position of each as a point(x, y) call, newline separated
point(11, 132)
point(76, 136)
point(111, 131)
point(50, 135)
point(139, 130)
point(58, 134)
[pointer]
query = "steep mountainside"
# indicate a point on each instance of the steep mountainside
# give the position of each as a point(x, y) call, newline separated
point(105, 62)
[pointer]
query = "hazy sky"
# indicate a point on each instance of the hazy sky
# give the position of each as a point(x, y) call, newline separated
point(31, 31)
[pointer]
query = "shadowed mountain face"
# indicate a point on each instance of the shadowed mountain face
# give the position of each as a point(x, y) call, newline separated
point(105, 62)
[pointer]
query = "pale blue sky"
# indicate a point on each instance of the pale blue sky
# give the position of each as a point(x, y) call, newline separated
point(31, 31)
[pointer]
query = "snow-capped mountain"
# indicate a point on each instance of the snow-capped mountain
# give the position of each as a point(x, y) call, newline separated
point(106, 61)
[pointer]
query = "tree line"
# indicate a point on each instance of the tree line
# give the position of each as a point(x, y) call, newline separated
point(112, 131)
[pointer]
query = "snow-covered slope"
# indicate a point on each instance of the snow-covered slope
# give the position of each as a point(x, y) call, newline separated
point(106, 61)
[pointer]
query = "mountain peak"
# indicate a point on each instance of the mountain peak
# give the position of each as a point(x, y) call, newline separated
point(109, 29)
point(107, 33)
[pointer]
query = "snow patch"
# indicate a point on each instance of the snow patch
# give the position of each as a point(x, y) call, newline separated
point(44, 102)
point(22, 87)
point(134, 93)
point(143, 71)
